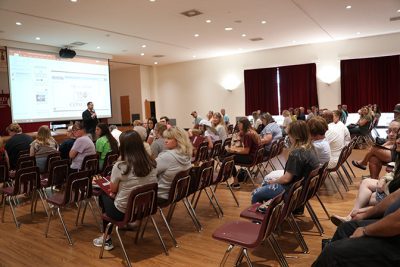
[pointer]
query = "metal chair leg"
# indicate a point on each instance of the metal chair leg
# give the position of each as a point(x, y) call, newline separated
point(341, 178)
point(104, 239)
point(212, 203)
point(159, 235)
point(347, 174)
point(17, 224)
point(48, 223)
point(299, 234)
point(64, 226)
point(239, 258)
point(128, 261)
point(226, 255)
point(217, 202)
point(277, 250)
point(323, 206)
point(315, 218)
point(335, 184)
point(168, 227)
point(78, 213)
point(351, 169)
point(191, 215)
point(194, 214)
point(233, 194)
point(247, 258)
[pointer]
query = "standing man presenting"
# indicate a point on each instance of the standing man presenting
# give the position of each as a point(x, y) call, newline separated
point(90, 120)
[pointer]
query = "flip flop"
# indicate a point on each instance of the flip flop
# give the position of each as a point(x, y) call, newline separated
point(336, 221)
point(358, 165)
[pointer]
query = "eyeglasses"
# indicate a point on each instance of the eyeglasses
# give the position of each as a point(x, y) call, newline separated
point(391, 130)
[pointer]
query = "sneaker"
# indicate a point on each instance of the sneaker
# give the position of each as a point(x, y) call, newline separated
point(338, 220)
point(98, 242)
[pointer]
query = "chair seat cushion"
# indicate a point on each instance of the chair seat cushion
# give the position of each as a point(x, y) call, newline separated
point(252, 214)
point(56, 199)
point(7, 190)
point(111, 220)
point(241, 233)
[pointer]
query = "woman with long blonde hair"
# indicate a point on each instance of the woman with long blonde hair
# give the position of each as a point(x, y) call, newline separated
point(42, 146)
point(301, 161)
point(175, 158)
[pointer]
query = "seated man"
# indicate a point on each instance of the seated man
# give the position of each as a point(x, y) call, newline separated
point(366, 240)
point(377, 156)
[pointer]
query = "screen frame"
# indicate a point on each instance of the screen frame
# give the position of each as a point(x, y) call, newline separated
point(54, 119)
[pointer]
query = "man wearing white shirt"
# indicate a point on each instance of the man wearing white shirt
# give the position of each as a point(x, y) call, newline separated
point(337, 135)
point(115, 132)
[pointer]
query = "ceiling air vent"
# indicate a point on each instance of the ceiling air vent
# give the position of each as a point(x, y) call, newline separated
point(394, 18)
point(159, 56)
point(77, 43)
point(191, 13)
point(256, 39)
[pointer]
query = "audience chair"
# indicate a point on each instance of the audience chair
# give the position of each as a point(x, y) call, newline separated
point(50, 158)
point(336, 169)
point(202, 153)
point(4, 174)
point(58, 173)
point(26, 182)
point(90, 163)
point(25, 161)
point(216, 150)
point(247, 235)
point(225, 172)
point(206, 176)
point(253, 169)
point(142, 205)
point(273, 152)
point(110, 159)
point(78, 190)
point(291, 198)
point(179, 191)
point(23, 153)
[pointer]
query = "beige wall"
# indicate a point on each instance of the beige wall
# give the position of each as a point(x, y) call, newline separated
point(195, 85)
point(125, 81)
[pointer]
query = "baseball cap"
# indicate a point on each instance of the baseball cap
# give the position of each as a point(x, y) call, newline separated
point(205, 122)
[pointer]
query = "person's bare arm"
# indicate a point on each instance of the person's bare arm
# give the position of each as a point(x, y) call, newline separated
point(385, 227)
point(73, 154)
point(284, 179)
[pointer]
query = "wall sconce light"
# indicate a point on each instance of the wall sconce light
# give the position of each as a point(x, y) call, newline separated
point(230, 82)
point(328, 74)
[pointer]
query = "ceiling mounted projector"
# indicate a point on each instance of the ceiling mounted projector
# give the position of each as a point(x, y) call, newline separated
point(67, 53)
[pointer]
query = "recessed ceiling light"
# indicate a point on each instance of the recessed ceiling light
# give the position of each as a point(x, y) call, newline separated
point(348, 7)
point(228, 29)
point(244, 35)
point(358, 33)
point(18, 23)
point(155, 63)
point(142, 54)
point(98, 47)
point(74, 1)
point(398, 10)
point(196, 35)
point(208, 21)
point(152, 0)
point(37, 38)
point(194, 56)
point(144, 46)
point(294, 41)
point(264, 21)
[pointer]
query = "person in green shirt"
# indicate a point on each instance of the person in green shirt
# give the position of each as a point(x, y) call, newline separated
point(105, 142)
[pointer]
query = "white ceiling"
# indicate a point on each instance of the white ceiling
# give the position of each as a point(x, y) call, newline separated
point(121, 27)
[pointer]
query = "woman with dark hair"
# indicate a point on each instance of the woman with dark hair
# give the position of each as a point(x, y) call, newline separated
point(301, 161)
point(151, 123)
point(105, 142)
point(249, 140)
point(134, 168)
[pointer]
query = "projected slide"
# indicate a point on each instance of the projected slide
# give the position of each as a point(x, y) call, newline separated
point(45, 87)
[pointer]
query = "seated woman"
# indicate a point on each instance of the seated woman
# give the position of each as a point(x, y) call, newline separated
point(270, 133)
point(158, 144)
point(377, 155)
point(175, 158)
point(105, 142)
point(373, 191)
point(286, 121)
point(209, 132)
point(245, 152)
point(42, 146)
point(82, 147)
point(318, 128)
point(219, 125)
point(151, 123)
point(362, 126)
point(301, 161)
point(135, 168)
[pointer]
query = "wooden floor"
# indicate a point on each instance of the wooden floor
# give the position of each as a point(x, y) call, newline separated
point(27, 246)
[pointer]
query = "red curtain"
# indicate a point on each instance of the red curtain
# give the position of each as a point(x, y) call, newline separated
point(298, 86)
point(261, 90)
point(371, 81)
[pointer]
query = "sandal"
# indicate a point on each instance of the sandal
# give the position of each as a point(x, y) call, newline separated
point(358, 165)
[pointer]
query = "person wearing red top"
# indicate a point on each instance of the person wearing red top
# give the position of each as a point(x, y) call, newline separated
point(246, 151)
